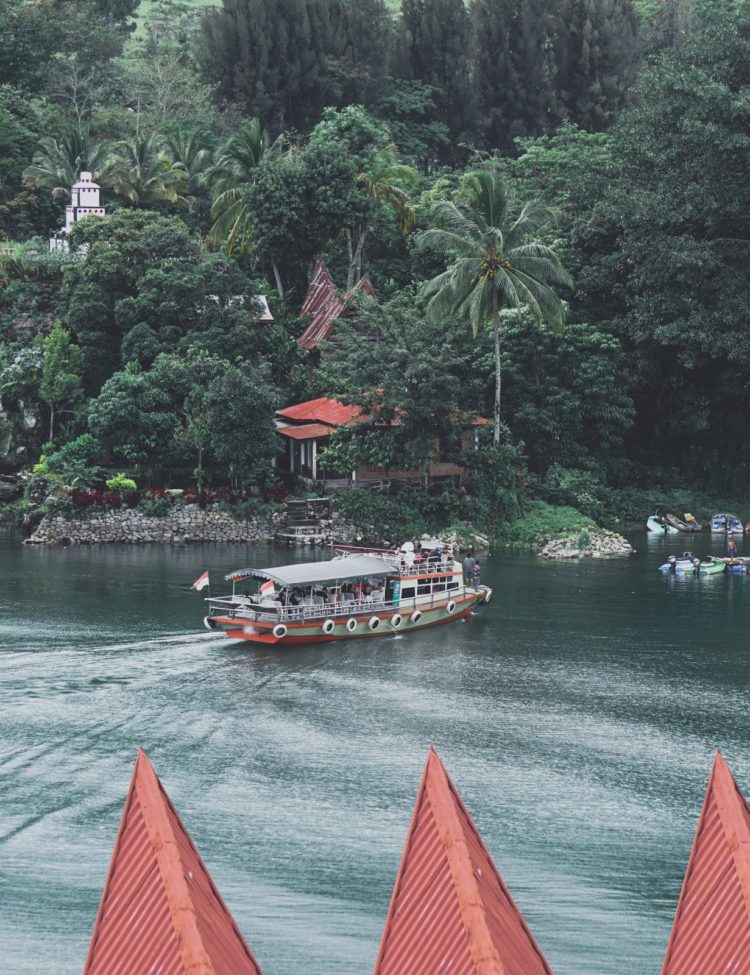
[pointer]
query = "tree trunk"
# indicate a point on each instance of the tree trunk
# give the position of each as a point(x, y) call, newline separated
point(354, 254)
point(277, 277)
point(51, 422)
point(498, 369)
point(350, 260)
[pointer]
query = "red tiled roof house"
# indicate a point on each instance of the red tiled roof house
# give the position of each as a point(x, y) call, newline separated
point(307, 427)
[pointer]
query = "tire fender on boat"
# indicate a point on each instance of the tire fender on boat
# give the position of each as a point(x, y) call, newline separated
point(416, 616)
point(328, 626)
point(487, 596)
point(396, 620)
point(374, 622)
point(279, 631)
point(451, 607)
point(351, 624)
point(209, 623)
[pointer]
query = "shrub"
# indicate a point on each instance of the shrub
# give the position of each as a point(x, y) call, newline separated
point(156, 507)
point(120, 482)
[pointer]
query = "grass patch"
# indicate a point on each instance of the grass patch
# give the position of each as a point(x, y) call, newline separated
point(541, 523)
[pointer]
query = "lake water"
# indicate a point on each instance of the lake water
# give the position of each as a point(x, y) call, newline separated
point(577, 714)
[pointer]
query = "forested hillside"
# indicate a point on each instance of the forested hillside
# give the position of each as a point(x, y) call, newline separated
point(551, 199)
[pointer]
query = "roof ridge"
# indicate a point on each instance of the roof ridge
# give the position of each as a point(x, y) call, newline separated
point(164, 844)
point(736, 830)
point(442, 794)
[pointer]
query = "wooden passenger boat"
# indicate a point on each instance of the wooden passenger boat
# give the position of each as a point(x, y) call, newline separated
point(356, 594)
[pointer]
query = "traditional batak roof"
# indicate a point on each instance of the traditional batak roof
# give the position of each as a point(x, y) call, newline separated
point(323, 306)
point(160, 911)
point(450, 910)
point(711, 930)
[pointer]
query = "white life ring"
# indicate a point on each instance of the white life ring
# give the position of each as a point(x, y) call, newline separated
point(328, 626)
point(396, 620)
point(374, 622)
point(279, 631)
point(416, 616)
point(351, 624)
point(209, 623)
point(451, 607)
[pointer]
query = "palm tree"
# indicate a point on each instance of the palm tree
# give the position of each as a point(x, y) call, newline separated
point(236, 162)
point(140, 170)
point(495, 265)
point(383, 182)
point(190, 147)
point(59, 160)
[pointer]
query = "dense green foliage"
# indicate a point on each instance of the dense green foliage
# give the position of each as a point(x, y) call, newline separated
point(539, 210)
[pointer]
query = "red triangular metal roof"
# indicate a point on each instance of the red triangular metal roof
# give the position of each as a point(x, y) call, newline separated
point(711, 930)
point(450, 910)
point(321, 305)
point(160, 911)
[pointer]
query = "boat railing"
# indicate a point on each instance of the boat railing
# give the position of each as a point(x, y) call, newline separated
point(247, 609)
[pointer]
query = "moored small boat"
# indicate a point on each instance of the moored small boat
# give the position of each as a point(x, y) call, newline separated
point(657, 525)
point(687, 562)
point(710, 566)
point(686, 524)
point(356, 594)
point(727, 524)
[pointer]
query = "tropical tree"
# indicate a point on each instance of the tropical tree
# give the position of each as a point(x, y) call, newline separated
point(495, 265)
point(384, 182)
point(142, 171)
point(61, 387)
point(236, 164)
point(59, 160)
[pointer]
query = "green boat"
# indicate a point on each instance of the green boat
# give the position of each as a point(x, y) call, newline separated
point(710, 566)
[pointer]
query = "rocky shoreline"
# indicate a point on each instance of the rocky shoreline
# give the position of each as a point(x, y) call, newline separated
point(590, 544)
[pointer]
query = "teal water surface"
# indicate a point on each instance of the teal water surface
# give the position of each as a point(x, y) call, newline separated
point(577, 714)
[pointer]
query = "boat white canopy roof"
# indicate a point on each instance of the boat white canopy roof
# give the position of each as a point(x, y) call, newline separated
point(308, 573)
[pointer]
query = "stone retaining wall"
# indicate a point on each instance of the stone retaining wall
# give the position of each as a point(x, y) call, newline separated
point(184, 524)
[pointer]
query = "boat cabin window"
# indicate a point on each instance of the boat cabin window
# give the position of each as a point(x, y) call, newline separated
point(408, 592)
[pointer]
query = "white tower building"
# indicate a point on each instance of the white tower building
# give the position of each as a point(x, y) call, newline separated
point(84, 202)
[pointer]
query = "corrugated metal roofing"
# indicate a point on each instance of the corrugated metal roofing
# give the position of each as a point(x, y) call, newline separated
point(305, 431)
point(306, 573)
point(450, 910)
point(321, 410)
point(321, 305)
point(711, 930)
point(160, 911)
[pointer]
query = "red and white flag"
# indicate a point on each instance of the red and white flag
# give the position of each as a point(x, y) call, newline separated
point(201, 582)
point(266, 587)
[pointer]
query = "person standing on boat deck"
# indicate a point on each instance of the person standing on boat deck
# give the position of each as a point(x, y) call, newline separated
point(731, 547)
point(469, 568)
point(477, 572)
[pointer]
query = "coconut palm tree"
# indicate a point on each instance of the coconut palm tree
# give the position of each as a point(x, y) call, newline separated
point(235, 164)
point(142, 171)
point(59, 160)
point(495, 264)
point(190, 147)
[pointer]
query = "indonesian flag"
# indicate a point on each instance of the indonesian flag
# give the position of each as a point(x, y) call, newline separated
point(201, 582)
point(266, 588)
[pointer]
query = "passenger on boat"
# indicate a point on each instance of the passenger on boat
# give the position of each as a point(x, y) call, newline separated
point(731, 547)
